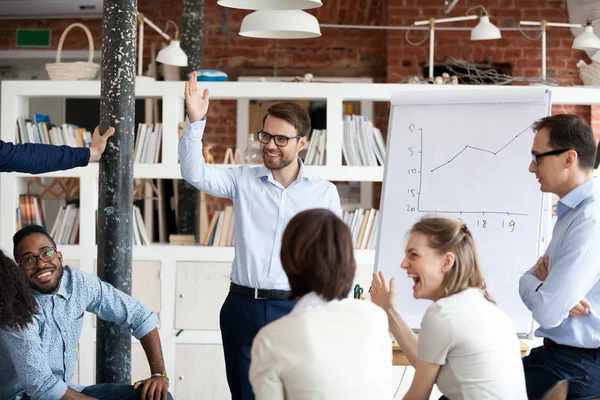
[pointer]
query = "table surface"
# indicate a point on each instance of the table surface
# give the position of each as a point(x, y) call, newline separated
point(400, 359)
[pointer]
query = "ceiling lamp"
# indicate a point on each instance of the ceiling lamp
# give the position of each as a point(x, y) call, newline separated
point(271, 4)
point(586, 41)
point(280, 24)
point(484, 30)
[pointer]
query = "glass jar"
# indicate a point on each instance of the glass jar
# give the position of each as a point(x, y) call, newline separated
point(252, 153)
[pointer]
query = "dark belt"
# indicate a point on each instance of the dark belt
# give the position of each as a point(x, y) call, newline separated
point(551, 344)
point(260, 294)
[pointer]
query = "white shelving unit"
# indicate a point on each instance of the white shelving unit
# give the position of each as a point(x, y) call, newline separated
point(192, 281)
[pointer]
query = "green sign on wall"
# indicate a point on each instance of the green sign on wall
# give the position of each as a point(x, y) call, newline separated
point(33, 37)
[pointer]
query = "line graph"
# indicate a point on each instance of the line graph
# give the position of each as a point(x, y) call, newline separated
point(462, 178)
point(467, 147)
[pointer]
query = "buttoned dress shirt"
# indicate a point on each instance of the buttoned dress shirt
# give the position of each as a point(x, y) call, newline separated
point(573, 272)
point(262, 207)
point(40, 359)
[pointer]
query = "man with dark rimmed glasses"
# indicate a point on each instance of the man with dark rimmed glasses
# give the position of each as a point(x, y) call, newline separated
point(38, 361)
point(265, 198)
point(563, 289)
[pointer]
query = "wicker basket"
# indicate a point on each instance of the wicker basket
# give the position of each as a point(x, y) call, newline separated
point(589, 73)
point(73, 71)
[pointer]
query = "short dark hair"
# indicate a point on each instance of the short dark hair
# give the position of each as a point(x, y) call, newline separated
point(317, 255)
point(28, 231)
point(294, 114)
point(568, 131)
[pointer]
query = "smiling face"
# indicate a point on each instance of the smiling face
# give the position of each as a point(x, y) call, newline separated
point(276, 157)
point(45, 277)
point(425, 266)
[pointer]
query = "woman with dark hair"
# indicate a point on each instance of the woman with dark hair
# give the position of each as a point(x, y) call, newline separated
point(17, 304)
point(330, 346)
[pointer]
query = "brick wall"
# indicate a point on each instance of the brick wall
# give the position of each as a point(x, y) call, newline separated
point(383, 55)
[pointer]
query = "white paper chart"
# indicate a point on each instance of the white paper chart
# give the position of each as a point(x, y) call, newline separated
point(464, 155)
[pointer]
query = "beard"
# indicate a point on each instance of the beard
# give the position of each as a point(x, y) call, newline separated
point(277, 164)
point(53, 288)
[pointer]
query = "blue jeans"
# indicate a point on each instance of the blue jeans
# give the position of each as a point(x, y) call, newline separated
point(546, 366)
point(114, 391)
point(241, 319)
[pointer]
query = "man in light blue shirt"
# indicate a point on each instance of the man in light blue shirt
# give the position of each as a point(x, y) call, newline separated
point(38, 361)
point(563, 289)
point(265, 198)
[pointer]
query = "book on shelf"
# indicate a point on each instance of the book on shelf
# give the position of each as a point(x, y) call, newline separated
point(364, 226)
point(40, 130)
point(221, 231)
point(315, 151)
point(140, 234)
point(148, 143)
point(362, 143)
point(66, 225)
point(30, 211)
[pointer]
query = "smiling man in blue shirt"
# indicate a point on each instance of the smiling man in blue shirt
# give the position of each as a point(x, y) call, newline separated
point(563, 289)
point(265, 199)
point(38, 361)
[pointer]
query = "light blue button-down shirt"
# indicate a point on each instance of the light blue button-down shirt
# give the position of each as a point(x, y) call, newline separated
point(573, 272)
point(262, 207)
point(40, 359)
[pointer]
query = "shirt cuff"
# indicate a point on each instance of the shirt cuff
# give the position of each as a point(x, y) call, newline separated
point(55, 392)
point(530, 285)
point(196, 128)
point(146, 327)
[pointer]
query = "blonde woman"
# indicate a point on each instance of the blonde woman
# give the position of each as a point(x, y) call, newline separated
point(467, 345)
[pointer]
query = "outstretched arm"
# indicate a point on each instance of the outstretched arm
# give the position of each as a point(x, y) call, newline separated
point(35, 158)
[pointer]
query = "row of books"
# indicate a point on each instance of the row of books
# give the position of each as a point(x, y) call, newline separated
point(148, 143)
point(315, 153)
point(364, 225)
point(140, 234)
point(363, 144)
point(40, 130)
point(221, 231)
point(66, 225)
point(30, 211)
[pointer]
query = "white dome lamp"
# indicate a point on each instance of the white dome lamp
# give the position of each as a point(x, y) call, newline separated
point(280, 24)
point(485, 30)
point(587, 40)
point(271, 4)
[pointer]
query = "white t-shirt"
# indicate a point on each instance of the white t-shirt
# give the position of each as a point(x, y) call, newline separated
point(477, 347)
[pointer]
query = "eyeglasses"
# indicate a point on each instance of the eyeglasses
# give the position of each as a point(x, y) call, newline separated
point(46, 255)
point(536, 157)
point(280, 141)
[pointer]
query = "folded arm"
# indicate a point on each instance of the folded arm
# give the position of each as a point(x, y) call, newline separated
point(572, 274)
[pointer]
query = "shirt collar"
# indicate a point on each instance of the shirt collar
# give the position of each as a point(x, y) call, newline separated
point(311, 301)
point(65, 290)
point(575, 197)
point(302, 174)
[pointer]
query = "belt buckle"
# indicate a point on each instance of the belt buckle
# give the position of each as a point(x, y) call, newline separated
point(256, 297)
